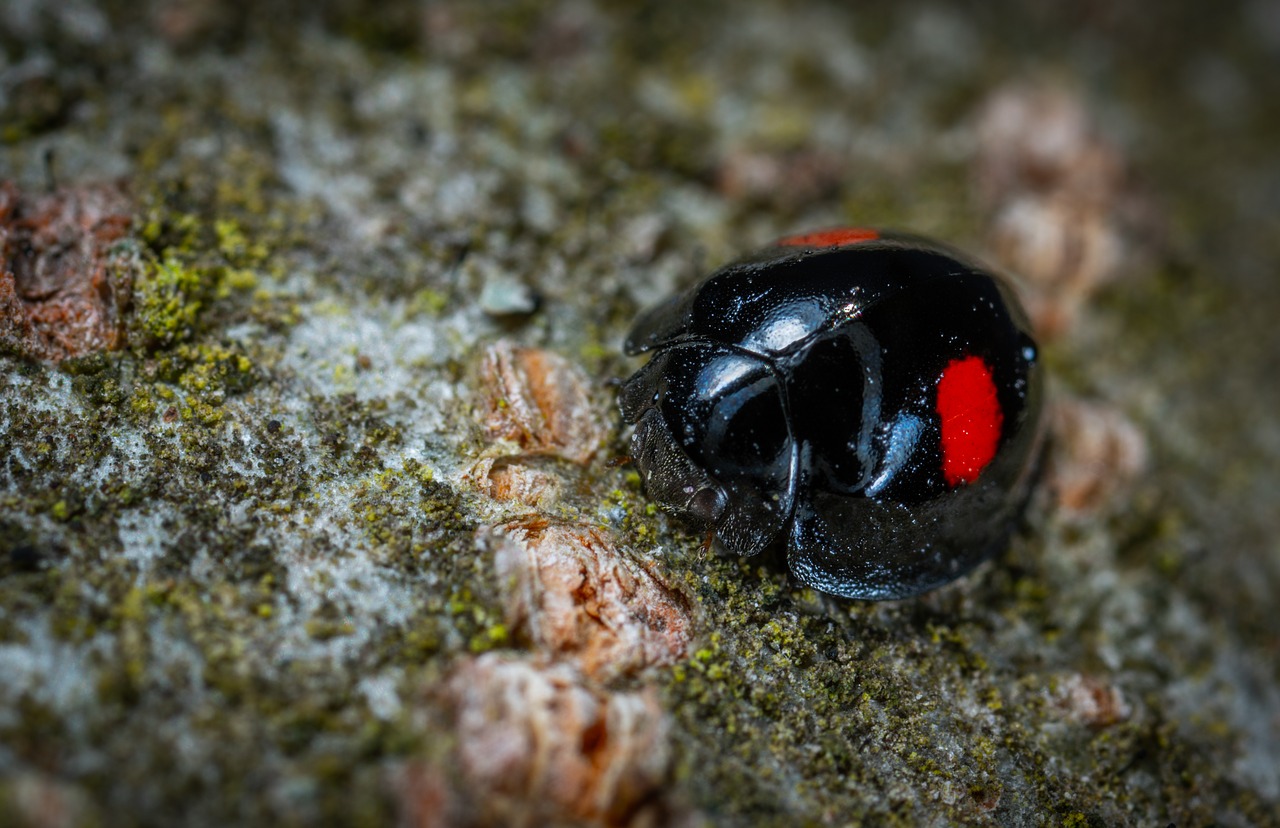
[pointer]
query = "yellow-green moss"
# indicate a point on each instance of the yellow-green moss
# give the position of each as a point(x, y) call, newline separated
point(168, 298)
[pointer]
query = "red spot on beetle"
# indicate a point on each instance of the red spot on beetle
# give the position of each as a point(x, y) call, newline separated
point(971, 419)
point(830, 238)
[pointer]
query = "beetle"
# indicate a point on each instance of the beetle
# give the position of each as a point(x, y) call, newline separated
point(868, 400)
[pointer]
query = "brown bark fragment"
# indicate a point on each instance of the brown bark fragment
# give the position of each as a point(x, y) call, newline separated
point(535, 744)
point(577, 597)
point(1064, 212)
point(1098, 453)
point(60, 293)
point(517, 482)
point(539, 401)
point(1091, 701)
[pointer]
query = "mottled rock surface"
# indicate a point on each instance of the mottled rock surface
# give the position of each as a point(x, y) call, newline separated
point(346, 294)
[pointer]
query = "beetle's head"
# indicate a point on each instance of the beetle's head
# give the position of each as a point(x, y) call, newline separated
point(712, 441)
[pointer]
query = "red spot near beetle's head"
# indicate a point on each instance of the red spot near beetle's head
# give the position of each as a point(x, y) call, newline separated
point(971, 419)
point(830, 238)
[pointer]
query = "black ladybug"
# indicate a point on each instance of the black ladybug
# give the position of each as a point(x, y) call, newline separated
point(870, 400)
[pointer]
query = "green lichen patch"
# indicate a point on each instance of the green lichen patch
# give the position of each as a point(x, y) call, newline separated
point(189, 265)
point(168, 299)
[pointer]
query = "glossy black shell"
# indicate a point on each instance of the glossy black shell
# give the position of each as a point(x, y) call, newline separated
point(792, 398)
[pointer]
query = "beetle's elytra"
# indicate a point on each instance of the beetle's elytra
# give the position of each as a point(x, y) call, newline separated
point(869, 400)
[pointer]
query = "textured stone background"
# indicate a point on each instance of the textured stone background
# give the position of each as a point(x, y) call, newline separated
point(318, 542)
